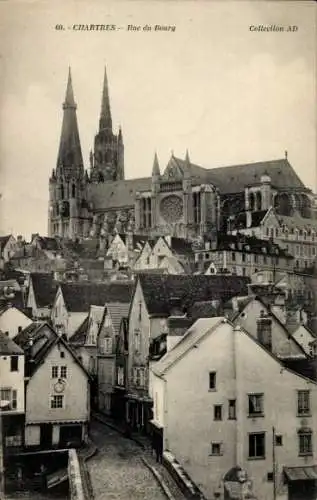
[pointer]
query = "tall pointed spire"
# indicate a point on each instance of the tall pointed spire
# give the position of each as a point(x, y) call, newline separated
point(105, 115)
point(156, 167)
point(69, 97)
point(187, 169)
point(69, 154)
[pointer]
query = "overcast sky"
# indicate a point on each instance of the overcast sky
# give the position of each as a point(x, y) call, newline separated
point(227, 94)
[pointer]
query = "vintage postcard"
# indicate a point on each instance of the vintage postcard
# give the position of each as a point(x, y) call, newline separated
point(158, 246)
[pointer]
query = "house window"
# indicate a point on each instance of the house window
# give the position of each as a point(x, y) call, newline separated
point(207, 256)
point(243, 257)
point(137, 340)
point(216, 449)
point(276, 232)
point(305, 442)
point(138, 377)
point(212, 380)
point(197, 207)
point(147, 261)
point(57, 401)
point(63, 371)
point(120, 376)
point(8, 398)
point(14, 363)
point(255, 405)
point(54, 371)
point(255, 259)
point(108, 345)
point(257, 445)
point(232, 409)
point(62, 354)
point(233, 256)
point(303, 403)
point(217, 412)
point(278, 440)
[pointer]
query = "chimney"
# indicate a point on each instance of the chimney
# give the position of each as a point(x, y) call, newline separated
point(177, 326)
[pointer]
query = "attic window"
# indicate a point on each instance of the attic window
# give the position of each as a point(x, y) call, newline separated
point(62, 354)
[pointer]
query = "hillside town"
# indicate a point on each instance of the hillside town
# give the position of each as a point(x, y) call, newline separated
point(161, 340)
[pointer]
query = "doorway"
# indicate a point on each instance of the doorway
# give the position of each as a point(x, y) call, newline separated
point(46, 437)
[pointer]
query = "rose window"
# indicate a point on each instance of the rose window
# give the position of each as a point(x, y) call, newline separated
point(172, 208)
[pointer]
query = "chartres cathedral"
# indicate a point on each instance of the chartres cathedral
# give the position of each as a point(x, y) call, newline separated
point(184, 200)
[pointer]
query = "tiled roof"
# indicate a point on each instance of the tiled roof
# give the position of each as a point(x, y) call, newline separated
point(196, 332)
point(80, 296)
point(118, 311)
point(138, 240)
point(249, 244)
point(80, 335)
point(51, 244)
point(295, 221)
point(4, 240)
point(33, 332)
point(232, 179)
point(305, 367)
point(44, 288)
point(203, 309)
point(159, 290)
point(8, 346)
point(15, 301)
point(119, 193)
point(180, 246)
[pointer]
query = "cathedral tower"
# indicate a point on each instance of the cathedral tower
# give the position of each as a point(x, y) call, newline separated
point(68, 207)
point(107, 160)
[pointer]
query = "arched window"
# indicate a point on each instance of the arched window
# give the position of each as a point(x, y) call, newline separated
point(62, 191)
point(251, 201)
point(73, 191)
point(258, 201)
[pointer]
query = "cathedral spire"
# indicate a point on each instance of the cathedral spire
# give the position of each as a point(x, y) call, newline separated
point(69, 97)
point(187, 169)
point(105, 115)
point(156, 168)
point(69, 154)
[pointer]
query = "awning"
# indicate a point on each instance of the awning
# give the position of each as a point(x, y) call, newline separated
point(307, 473)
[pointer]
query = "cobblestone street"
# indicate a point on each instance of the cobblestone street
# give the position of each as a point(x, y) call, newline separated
point(117, 471)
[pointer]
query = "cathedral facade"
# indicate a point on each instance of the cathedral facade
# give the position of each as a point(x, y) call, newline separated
point(184, 200)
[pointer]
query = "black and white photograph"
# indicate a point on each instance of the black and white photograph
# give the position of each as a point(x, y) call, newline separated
point(158, 250)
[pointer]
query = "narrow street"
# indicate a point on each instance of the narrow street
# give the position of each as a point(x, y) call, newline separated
point(117, 470)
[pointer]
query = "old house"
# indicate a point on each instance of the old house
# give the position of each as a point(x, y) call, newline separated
point(108, 345)
point(155, 298)
point(73, 300)
point(256, 317)
point(12, 401)
point(242, 255)
point(13, 319)
point(216, 410)
point(57, 405)
point(8, 246)
point(41, 294)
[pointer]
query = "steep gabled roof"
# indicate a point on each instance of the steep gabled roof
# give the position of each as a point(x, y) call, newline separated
point(8, 346)
point(80, 335)
point(117, 312)
point(44, 288)
point(33, 332)
point(4, 240)
point(193, 335)
point(160, 290)
point(79, 297)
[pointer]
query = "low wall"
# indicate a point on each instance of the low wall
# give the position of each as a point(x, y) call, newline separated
point(76, 491)
point(180, 476)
